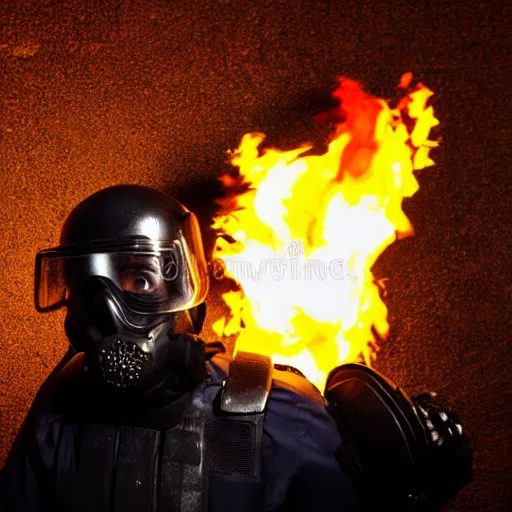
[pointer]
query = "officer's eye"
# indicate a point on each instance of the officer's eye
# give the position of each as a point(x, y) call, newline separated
point(137, 283)
point(141, 284)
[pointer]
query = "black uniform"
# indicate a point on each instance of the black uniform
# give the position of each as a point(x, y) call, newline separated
point(77, 454)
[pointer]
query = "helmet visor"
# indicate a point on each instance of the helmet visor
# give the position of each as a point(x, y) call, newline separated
point(150, 279)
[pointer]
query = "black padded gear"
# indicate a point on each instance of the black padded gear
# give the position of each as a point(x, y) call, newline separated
point(385, 449)
point(408, 453)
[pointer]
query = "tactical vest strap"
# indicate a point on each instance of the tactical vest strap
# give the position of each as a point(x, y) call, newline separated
point(234, 436)
point(248, 386)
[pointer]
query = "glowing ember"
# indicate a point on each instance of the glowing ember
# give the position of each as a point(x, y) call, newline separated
point(300, 233)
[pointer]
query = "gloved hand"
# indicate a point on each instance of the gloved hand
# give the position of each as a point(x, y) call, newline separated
point(451, 450)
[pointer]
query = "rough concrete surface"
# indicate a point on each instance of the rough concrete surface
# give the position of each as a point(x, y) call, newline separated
point(155, 91)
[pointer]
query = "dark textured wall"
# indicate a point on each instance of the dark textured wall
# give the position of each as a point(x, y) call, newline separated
point(154, 92)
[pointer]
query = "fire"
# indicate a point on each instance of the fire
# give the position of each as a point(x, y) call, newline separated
point(300, 233)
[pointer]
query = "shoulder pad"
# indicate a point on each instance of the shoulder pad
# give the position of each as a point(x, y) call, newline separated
point(378, 418)
point(248, 385)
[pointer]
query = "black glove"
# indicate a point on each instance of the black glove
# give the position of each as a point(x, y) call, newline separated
point(451, 458)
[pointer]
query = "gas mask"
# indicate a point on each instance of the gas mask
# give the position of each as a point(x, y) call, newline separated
point(132, 274)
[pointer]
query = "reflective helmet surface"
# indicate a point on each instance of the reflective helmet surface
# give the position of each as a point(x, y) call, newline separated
point(120, 233)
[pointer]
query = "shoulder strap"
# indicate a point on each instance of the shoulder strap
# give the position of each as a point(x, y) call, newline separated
point(235, 437)
point(248, 386)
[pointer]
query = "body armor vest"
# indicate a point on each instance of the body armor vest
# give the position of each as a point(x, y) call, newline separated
point(209, 461)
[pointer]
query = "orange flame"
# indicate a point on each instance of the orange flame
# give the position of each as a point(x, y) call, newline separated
point(300, 233)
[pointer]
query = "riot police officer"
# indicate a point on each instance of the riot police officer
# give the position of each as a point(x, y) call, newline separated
point(141, 415)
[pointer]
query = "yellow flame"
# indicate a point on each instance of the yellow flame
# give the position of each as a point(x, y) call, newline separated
point(302, 237)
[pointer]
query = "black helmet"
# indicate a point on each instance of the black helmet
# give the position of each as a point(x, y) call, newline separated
point(110, 233)
point(132, 273)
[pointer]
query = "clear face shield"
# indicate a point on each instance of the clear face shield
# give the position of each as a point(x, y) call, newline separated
point(151, 277)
